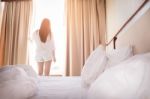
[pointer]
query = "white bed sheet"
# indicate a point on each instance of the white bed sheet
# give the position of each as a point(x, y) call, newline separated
point(60, 88)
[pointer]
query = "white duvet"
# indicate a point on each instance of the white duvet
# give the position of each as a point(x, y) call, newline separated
point(60, 88)
point(128, 80)
point(15, 84)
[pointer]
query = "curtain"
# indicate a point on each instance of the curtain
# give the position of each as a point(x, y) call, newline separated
point(85, 31)
point(14, 32)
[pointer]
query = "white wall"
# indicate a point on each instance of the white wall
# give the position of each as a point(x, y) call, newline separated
point(118, 11)
point(138, 34)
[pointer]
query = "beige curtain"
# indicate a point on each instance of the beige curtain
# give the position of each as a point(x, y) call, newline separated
point(85, 31)
point(14, 32)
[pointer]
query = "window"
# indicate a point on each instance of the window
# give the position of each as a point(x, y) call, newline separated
point(1, 12)
point(53, 10)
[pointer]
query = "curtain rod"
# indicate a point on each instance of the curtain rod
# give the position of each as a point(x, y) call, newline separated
point(124, 25)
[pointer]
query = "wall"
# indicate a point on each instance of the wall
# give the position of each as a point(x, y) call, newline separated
point(138, 34)
point(118, 11)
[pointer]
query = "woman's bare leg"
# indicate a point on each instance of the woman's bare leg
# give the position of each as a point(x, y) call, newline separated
point(40, 68)
point(47, 67)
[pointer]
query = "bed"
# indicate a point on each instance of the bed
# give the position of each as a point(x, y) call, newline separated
point(21, 82)
point(60, 88)
point(106, 75)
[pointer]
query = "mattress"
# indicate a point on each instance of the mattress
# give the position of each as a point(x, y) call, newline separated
point(60, 88)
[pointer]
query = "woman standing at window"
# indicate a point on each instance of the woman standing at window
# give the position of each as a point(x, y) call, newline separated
point(45, 49)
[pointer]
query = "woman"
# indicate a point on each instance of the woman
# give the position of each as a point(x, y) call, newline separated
point(45, 50)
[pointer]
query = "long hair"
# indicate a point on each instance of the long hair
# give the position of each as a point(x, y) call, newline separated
point(45, 30)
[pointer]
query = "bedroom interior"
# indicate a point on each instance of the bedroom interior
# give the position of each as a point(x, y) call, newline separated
point(107, 54)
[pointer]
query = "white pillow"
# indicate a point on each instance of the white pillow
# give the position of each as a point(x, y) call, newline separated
point(118, 55)
point(11, 73)
point(128, 80)
point(94, 65)
point(28, 69)
point(18, 89)
point(16, 84)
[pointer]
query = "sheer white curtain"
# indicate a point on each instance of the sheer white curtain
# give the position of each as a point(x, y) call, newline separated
point(53, 10)
point(1, 13)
